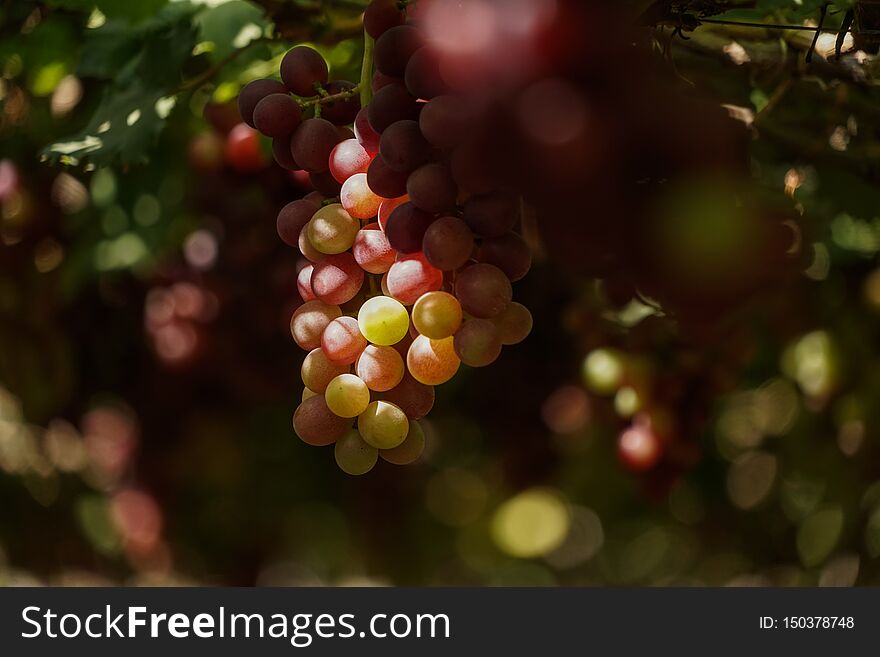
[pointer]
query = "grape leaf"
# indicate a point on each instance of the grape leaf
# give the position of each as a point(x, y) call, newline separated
point(130, 10)
point(230, 26)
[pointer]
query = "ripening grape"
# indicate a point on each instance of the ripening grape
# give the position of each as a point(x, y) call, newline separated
point(410, 449)
point(514, 324)
point(383, 321)
point(431, 188)
point(304, 283)
point(381, 15)
point(414, 398)
point(448, 243)
point(353, 455)
point(358, 199)
point(639, 448)
point(306, 248)
point(332, 230)
point(380, 80)
point(317, 370)
point(383, 425)
point(347, 396)
point(283, 155)
point(312, 144)
point(364, 133)
point(309, 321)
point(478, 343)
point(341, 111)
point(381, 368)
point(445, 122)
point(422, 75)
point(308, 394)
point(491, 215)
point(342, 341)
point(348, 158)
point(509, 253)
point(372, 251)
point(252, 93)
point(315, 197)
point(483, 290)
point(316, 425)
point(389, 205)
point(277, 115)
point(302, 69)
point(406, 228)
point(432, 362)
point(292, 218)
point(336, 279)
point(411, 277)
point(390, 104)
point(437, 315)
point(385, 182)
point(244, 153)
point(394, 49)
point(403, 147)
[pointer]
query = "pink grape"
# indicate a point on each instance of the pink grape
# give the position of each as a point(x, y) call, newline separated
point(411, 277)
point(309, 321)
point(342, 341)
point(336, 279)
point(348, 158)
point(316, 425)
point(372, 251)
point(381, 368)
point(358, 199)
point(304, 283)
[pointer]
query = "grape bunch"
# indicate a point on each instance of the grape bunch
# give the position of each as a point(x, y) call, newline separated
point(408, 257)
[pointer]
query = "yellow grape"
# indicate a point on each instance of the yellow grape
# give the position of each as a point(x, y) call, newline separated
point(437, 315)
point(383, 321)
point(347, 396)
point(353, 455)
point(332, 230)
point(383, 425)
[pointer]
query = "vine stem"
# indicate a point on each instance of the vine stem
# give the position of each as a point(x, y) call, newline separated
point(329, 98)
point(765, 26)
point(366, 83)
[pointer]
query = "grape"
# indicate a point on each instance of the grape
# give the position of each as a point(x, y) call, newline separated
point(353, 455)
point(474, 164)
point(309, 321)
point(315, 197)
point(325, 183)
point(422, 76)
point(514, 324)
point(292, 219)
point(388, 206)
point(381, 368)
point(414, 398)
point(383, 425)
point(342, 341)
point(283, 155)
point(316, 425)
point(347, 396)
point(432, 362)
point(308, 394)
point(318, 370)
point(437, 315)
point(363, 131)
point(304, 283)
point(384, 181)
point(390, 104)
point(477, 343)
point(411, 277)
point(383, 321)
point(381, 15)
point(444, 122)
point(306, 248)
point(639, 448)
point(406, 228)
point(244, 153)
point(348, 158)
point(332, 230)
point(343, 110)
point(509, 253)
point(394, 49)
point(410, 449)
point(380, 80)
point(358, 199)
point(432, 189)
point(403, 147)
point(277, 115)
point(372, 251)
point(448, 243)
point(491, 215)
point(483, 290)
point(312, 144)
point(301, 69)
point(252, 93)
point(337, 278)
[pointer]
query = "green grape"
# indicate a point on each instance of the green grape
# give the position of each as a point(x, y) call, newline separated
point(383, 425)
point(437, 315)
point(347, 396)
point(332, 230)
point(353, 455)
point(383, 321)
point(410, 449)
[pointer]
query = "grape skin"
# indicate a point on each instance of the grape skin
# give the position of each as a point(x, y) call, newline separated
point(448, 243)
point(316, 425)
point(514, 324)
point(252, 93)
point(380, 16)
point(318, 371)
point(332, 230)
point(277, 115)
point(406, 228)
point(411, 277)
point(403, 147)
point(385, 182)
point(301, 69)
point(381, 368)
point(383, 425)
point(348, 158)
point(414, 398)
point(394, 49)
point(306, 248)
point(509, 253)
point(437, 315)
point(292, 218)
point(383, 321)
point(358, 199)
point(483, 290)
point(432, 362)
point(342, 341)
point(304, 283)
point(347, 396)
point(372, 251)
point(491, 215)
point(353, 455)
point(410, 450)
point(432, 188)
point(309, 321)
point(312, 144)
point(477, 343)
point(336, 279)
point(390, 104)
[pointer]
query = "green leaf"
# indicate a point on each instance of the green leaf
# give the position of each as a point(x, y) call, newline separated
point(230, 26)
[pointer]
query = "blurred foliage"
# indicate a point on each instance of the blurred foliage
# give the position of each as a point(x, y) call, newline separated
point(147, 380)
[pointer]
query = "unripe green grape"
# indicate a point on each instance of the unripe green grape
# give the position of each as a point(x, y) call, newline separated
point(437, 315)
point(332, 230)
point(383, 321)
point(353, 455)
point(410, 449)
point(347, 396)
point(383, 425)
